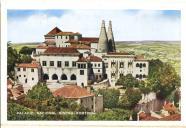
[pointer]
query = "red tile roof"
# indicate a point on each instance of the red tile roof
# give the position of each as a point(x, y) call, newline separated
point(54, 31)
point(68, 33)
point(28, 65)
point(72, 92)
point(60, 50)
point(170, 107)
point(93, 58)
point(82, 59)
point(174, 117)
point(80, 46)
point(9, 82)
point(42, 47)
point(89, 39)
point(50, 42)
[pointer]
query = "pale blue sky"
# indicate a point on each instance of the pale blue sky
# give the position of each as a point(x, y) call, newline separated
point(127, 24)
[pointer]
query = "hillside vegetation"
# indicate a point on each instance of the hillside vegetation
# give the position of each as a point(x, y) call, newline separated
point(166, 51)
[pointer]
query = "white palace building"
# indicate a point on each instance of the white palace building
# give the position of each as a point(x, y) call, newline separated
point(69, 58)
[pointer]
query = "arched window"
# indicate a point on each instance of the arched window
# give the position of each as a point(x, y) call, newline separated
point(144, 76)
point(140, 76)
point(45, 77)
point(141, 65)
point(137, 76)
point(63, 77)
point(54, 77)
point(144, 65)
point(105, 76)
point(137, 65)
point(73, 77)
point(121, 74)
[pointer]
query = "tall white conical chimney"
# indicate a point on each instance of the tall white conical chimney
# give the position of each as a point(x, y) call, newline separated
point(111, 42)
point(103, 40)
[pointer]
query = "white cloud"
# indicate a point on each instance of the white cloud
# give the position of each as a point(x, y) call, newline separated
point(141, 25)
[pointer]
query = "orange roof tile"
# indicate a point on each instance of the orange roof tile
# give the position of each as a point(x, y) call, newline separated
point(80, 46)
point(173, 117)
point(28, 65)
point(42, 47)
point(89, 39)
point(93, 58)
point(82, 59)
point(50, 42)
point(72, 91)
point(170, 107)
point(53, 31)
point(60, 50)
point(68, 33)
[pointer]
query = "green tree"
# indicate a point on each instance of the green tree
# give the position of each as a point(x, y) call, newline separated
point(26, 50)
point(128, 81)
point(114, 114)
point(25, 59)
point(39, 91)
point(130, 98)
point(19, 112)
point(13, 58)
point(163, 78)
point(110, 97)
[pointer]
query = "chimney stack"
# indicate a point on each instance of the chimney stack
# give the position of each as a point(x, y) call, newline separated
point(111, 42)
point(103, 40)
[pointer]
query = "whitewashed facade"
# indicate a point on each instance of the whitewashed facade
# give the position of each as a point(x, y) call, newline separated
point(79, 60)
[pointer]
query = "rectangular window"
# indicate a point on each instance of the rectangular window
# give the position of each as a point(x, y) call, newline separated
point(32, 70)
point(106, 65)
point(121, 65)
point(58, 63)
point(113, 64)
point(73, 64)
point(51, 63)
point(18, 69)
point(79, 65)
point(24, 69)
point(66, 63)
point(81, 72)
point(44, 63)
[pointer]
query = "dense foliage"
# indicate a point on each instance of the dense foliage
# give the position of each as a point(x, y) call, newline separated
point(114, 114)
point(110, 97)
point(26, 50)
point(40, 92)
point(162, 78)
point(25, 59)
point(12, 59)
point(130, 98)
point(19, 112)
point(128, 81)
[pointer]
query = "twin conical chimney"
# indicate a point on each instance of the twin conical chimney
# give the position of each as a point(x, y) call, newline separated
point(102, 43)
point(106, 40)
point(110, 35)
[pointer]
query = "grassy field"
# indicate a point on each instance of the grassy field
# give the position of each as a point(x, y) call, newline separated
point(166, 51)
point(19, 46)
